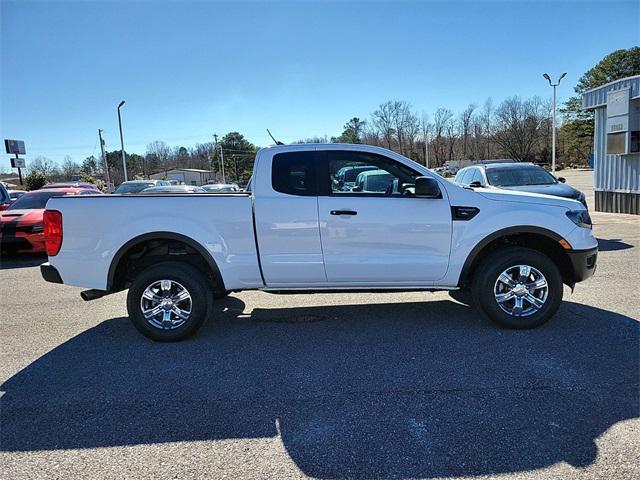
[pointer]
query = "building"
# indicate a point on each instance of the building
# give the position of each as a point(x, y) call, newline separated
point(188, 176)
point(616, 144)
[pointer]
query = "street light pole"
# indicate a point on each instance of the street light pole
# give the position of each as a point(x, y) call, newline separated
point(124, 161)
point(553, 127)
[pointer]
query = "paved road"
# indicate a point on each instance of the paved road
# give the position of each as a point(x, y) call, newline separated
point(327, 386)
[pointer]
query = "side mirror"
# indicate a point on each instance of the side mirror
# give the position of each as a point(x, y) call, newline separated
point(562, 179)
point(427, 187)
point(475, 184)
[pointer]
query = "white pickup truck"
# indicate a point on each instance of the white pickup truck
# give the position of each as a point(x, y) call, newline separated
point(321, 218)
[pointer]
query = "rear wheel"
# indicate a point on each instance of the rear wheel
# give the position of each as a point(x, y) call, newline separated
point(517, 288)
point(168, 302)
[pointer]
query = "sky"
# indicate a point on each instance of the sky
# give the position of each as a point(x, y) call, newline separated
point(188, 70)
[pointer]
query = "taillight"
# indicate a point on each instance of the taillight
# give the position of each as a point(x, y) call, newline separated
point(52, 232)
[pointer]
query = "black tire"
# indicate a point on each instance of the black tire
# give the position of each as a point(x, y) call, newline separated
point(494, 264)
point(463, 296)
point(181, 275)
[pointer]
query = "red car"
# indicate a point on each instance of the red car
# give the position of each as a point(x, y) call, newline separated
point(21, 224)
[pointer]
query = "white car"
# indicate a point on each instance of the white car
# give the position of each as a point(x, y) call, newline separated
point(298, 230)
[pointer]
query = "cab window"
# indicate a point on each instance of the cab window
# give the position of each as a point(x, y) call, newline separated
point(362, 173)
point(295, 173)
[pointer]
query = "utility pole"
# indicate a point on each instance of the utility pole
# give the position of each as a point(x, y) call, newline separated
point(218, 145)
point(124, 161)
point(104, 161)
point(553, 131)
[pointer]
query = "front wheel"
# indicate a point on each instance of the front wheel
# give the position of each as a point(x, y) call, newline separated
point(168, 301)
point(517, 287)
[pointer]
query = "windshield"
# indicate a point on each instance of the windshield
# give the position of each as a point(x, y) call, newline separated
point(133, 187)
point(513, 177)
point(34, 200)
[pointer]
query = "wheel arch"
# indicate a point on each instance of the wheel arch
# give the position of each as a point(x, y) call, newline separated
point(537, 238)
point(113, 277)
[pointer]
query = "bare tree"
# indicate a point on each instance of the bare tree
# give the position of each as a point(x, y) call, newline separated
point(159, 155)
point(69, 168)
point(519, 125)
point(485, 121)
point(43, 165)
point(442, 124)
point(465, 121)
point(401, 112)
point(201, 155)
point(425, 131)
point(384, 119)
point(411, 134)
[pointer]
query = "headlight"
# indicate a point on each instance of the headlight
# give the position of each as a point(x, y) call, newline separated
point(580, 218)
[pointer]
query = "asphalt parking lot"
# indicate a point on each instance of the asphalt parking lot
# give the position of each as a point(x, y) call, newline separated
point(325, 386)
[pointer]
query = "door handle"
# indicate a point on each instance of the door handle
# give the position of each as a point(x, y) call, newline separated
point(343, 212)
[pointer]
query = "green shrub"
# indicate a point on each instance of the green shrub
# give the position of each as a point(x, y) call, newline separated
point(35, 180)
point(85, 177)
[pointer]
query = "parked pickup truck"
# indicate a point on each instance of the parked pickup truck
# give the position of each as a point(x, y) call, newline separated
point(297, 228)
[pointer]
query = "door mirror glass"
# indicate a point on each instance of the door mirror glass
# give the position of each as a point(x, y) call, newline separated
point(475, 184)
point(427, 187)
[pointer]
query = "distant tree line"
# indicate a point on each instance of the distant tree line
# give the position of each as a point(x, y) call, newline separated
point(517, 128)
point(159, 158)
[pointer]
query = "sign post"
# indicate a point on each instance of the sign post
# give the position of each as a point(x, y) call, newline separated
point(16, 147)
point(18, 163)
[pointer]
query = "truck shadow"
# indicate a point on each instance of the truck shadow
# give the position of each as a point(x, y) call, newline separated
point(361, 391)
point(612, 245)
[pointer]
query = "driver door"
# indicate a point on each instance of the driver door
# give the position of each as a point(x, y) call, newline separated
point(377, 232)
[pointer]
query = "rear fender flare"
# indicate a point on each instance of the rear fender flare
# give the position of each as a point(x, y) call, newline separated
point(162, 236)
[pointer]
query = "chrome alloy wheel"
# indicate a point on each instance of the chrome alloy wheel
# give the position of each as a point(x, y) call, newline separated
point(521, 290)
point(166, 304)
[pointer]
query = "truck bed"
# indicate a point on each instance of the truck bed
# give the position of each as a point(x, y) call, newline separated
point(96, 227)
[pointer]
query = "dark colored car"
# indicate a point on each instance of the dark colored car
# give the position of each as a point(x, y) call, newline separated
point(21, 225)
point(136, 186)
point(524, 177)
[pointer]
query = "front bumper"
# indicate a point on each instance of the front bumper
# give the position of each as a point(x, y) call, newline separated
point(50, 273)
point(583, 263)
